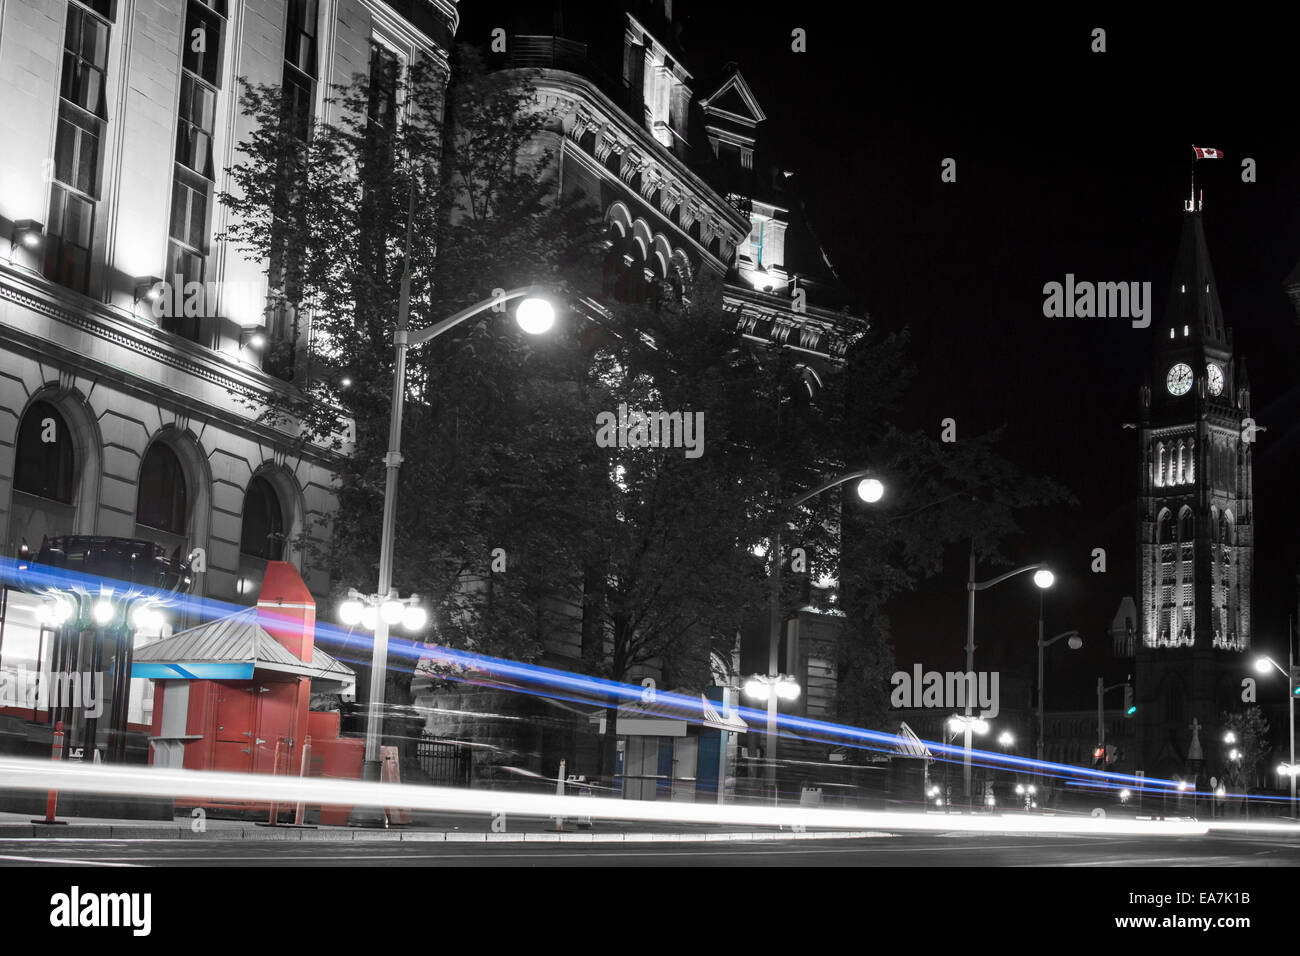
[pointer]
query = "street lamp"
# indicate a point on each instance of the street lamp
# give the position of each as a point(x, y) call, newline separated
point(1262, 665)
point(1075, 642)
point(535, 314)
point(869, 490)
point(1043, 578)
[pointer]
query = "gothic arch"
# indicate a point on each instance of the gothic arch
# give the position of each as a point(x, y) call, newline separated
point(1186, 525)
point(1164, 527)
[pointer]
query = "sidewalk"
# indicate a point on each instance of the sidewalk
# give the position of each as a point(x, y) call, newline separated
point(444, 828)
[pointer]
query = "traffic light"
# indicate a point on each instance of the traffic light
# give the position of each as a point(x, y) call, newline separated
point(1130, 706)
point(1099, 757)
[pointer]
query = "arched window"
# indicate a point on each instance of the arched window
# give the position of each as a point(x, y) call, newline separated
point(162, 500)
point(1163, 535)
point(1186, 525)
point(1160, 464)
point(262, 533)
point(44, 465)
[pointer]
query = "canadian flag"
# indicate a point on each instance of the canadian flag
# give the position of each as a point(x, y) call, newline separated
point(1203, 153)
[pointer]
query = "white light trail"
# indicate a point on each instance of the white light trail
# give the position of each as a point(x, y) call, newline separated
point(41, 774)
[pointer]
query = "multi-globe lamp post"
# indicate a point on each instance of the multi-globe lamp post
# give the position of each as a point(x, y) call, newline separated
point(775, 686)
point(535, 314)
point(113, 615)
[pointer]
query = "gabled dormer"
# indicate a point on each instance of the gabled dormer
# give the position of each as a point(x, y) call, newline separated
point(731, 118)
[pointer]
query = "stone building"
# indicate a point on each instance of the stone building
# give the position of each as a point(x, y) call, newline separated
point(677, 164)
point(136, 351)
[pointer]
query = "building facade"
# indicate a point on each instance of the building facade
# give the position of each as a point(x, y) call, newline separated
point(675, 162)
point(137, 350)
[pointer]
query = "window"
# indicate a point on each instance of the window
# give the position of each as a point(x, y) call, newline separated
point(192, 182)
point(76, 150)
point(162, 498)
point(300, 36)
point(44, 465)
point(85, 58)
point(77, 143)
point(262, 533)
point(70, 233)
point(202, 52)
point(194, 131)
point(385, 73)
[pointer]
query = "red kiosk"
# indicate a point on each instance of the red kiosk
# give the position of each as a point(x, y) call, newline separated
point(233, 695)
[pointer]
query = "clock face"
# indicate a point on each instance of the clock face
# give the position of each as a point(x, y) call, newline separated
point(1179, 379)
point(1216, 379)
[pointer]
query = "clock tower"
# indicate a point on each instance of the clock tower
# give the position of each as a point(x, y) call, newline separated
point(1195, 523)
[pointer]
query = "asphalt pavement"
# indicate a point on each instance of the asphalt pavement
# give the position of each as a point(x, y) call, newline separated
point(910, 850)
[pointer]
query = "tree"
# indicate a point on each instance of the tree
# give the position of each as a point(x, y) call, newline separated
point(489, 427)
point(941, 494)
point(669, 569)
point(1249, 732)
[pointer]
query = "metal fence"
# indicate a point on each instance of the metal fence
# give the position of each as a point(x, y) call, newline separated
point(445, 762)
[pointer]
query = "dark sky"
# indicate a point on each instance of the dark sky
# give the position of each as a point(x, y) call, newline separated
point(1067, 161)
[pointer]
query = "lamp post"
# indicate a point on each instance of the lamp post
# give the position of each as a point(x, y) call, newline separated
point(1262, 665)
point(771, 688)
point(1043, 578)
point(870, 490)
point(1075, 643)
point(535, 315)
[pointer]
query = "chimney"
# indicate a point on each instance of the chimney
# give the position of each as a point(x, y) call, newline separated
point(286, 610)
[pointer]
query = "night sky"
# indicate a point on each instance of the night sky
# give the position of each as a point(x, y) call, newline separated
point(1067, 161)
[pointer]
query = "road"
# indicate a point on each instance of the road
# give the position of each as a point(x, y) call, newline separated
point(902, 850)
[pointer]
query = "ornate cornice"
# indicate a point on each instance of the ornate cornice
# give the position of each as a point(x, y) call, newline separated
point(772, 319)
point(582, 109)
point(98, 321)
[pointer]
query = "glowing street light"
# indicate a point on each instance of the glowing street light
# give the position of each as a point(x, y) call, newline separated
point(535, 315)
point(871, 490)
point(1043, 578)
point(370, 611)
point(102, 611)
point(1262, 665)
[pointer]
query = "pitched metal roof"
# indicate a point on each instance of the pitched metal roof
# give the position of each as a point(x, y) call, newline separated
point(234, 640)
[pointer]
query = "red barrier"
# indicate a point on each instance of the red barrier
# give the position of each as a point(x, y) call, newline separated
point(56, 753)
point(275, 769)
point(306, 763)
